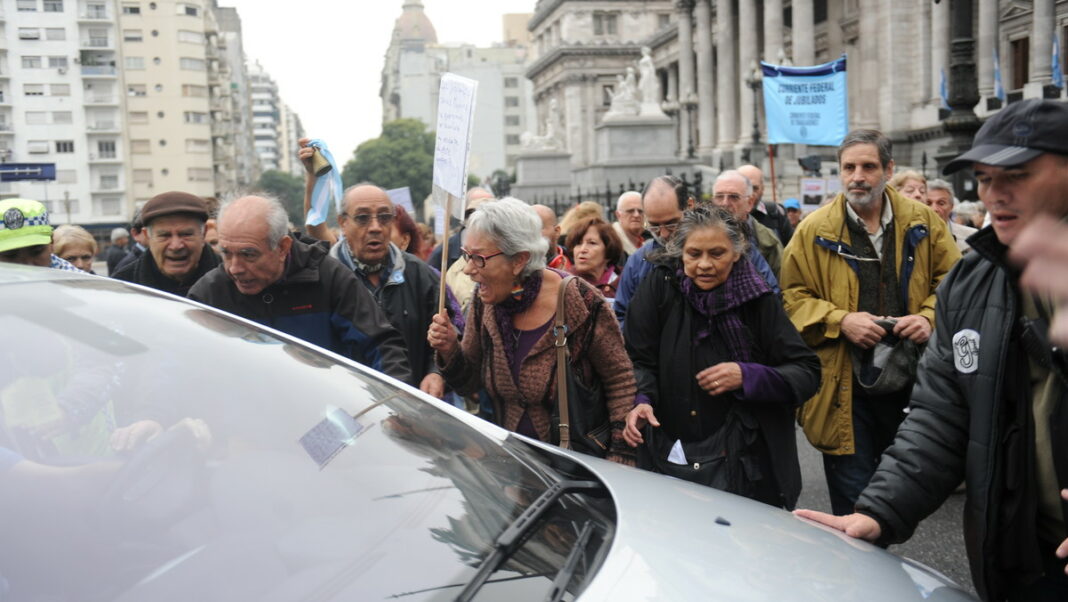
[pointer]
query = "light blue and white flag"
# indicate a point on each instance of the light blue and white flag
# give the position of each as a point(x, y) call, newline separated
point(1058, 73)
point(327, 187)
point(806, 105)
point(999, 90)
point(943, 91)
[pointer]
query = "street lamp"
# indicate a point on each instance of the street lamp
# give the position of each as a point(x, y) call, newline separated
point(754, 81)
point(691, 103)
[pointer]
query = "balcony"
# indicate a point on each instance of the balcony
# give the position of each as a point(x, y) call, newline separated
point(111, 157)
point(101, 100)
point(97, 43)
point(98, 71)
point(6, 128)
point(94, 16)
point(103, 127)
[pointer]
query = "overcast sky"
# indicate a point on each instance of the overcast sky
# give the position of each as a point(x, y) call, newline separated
point(327, 55)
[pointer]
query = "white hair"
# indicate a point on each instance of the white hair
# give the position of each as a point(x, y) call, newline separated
point(514, 227)
point(118, 234)
point(277, 218)
point(634, 193)
point(734, 174)
point(940, 184)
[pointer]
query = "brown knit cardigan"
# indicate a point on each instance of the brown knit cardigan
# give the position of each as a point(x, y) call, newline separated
point(482, 363)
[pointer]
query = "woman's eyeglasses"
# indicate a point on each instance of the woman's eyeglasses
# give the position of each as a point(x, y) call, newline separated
point(479, 261)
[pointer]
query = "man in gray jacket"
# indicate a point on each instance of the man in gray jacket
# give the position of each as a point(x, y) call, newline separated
point(989, 403)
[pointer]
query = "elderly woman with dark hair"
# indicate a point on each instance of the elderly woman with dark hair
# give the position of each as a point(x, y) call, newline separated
point(508, 346)
point(405, 233)
point(596, 254)
point(720, 368)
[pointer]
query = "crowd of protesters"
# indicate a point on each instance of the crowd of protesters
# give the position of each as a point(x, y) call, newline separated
point(915, 347)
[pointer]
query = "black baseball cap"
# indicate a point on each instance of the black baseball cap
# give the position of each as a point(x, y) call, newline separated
point(1018, 133)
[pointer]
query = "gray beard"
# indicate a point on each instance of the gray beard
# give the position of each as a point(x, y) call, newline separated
point(868, 199)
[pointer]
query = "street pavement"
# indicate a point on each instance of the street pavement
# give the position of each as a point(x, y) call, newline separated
point(938, 541)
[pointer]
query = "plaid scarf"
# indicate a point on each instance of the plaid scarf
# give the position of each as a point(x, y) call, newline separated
point(720, 306)
point(507, 309)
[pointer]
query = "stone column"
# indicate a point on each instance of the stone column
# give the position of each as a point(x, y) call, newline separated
point(1042, 41)
point(804, 34)
point(772, 30)
point(705, 89)
point(870, 69)
point(727, 82)
point(939, 48)
point(686, 74)
point(987, 39)
point(748, 55)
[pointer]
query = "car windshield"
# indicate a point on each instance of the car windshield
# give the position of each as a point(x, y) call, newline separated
point(151, 449)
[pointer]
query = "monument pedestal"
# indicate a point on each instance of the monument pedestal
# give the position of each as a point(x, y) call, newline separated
point(627, 140)
point(542, 176)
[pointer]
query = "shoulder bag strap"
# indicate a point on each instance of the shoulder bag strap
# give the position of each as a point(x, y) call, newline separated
point(560, 332)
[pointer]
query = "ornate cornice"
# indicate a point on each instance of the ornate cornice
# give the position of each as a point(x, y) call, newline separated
point(561, 52)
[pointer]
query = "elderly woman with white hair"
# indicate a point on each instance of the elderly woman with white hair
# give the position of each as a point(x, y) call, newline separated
point(509, 346)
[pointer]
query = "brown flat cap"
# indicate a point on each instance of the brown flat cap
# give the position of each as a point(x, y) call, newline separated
point(174, 202)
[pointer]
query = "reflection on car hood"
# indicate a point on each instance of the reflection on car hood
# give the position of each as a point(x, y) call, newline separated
point(680, 541)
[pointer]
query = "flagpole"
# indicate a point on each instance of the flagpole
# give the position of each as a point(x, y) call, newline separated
point(774, 184)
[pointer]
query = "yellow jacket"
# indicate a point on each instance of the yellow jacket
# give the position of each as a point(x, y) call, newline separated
point(820, 287)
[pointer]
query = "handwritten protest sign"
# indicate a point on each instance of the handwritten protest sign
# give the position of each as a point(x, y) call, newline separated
point(456, 109)
point(402, 197)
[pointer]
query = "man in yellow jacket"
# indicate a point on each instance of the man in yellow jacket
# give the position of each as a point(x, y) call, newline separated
point(869, 256)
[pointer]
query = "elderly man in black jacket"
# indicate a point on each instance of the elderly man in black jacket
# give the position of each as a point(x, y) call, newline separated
point(989, 404)
point(272, 278)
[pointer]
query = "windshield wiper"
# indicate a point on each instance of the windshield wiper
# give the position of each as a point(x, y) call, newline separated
point(508, 541)
point(559, 588)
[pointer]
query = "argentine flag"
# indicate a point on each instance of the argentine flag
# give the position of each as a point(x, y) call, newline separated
point(999, 90)
point(1058, 74)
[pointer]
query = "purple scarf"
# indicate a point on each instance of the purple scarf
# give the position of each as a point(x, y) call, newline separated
point(720, 306)
point(507, 309)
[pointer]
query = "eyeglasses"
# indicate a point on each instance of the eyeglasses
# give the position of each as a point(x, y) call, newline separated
point(364, 219)
point(723, 196)
point(479, 261)
point(663, 229)
point(844, 255)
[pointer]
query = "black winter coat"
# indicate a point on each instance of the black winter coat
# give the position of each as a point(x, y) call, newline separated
point(970, 417)
point(659, 330)
point(144, 270)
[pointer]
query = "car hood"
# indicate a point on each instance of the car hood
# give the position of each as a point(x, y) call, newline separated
point(676, 541)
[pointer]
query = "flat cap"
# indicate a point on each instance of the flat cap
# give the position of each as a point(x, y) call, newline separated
point(174, 202)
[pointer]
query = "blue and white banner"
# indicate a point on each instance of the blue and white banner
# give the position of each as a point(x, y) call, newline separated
point(1058, 73)
point(943, 91)
point(999, 90)
point(806, 105)
point(327, 188)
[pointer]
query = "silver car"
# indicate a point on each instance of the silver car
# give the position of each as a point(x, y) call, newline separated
point(152, 448)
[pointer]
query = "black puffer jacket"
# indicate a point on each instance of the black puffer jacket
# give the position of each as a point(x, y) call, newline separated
point(970, 417)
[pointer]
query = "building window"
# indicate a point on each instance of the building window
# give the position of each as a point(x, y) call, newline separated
point(511, 101)
point(131, 9)
point(511, 139)
point(31, 62)
point(190, 37)
point(511, 120)
point(36, 117)
point(57, 62)
point(1020, 51)
point(106, 149)
point(66, 176)
point(53, 6)
point(64, 146)
point(188, 10)
point(96, 10)
point(663, 20)
point(136, 90)
point(25, 6)
point(37, 147)
point(196, 117)
point(511, 82)
point(62, 117)
point(29, 33)
point(135, 63)
point(60, 89)
point(108, 205)
point(191, 64)
point(109, 181)
point(605, 23)
point(55, 34)
point(194, 90)
point(98, 37)
point(138, 117)
point(33, 89)
point(140, 147)
point(199, 174)
point(132, 35)
point(197, 145)
point(819, 11)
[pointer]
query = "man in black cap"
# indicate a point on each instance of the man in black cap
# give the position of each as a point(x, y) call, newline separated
point(989, 404)
point(174, 225)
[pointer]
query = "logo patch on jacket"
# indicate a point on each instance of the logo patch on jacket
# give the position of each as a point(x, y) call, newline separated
point(966, 351)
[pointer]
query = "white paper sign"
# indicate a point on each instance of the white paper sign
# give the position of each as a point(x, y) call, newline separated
point(402, 197)
point(456, 109)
